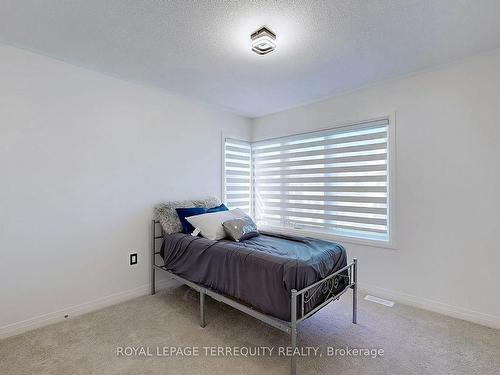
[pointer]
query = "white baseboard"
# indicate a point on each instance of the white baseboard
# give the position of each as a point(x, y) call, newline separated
point(434, 306)
point(58, 316)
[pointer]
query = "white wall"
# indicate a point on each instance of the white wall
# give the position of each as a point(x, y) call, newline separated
point(447, 256)
point(83, 159)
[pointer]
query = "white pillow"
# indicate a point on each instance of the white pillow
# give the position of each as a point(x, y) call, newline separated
point(210, 225)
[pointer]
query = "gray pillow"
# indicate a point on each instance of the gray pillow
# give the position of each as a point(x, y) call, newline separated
point(241, 228)
point(206, 202)
point(167, 216)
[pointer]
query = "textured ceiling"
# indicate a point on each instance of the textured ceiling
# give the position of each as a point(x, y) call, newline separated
point(201, 49)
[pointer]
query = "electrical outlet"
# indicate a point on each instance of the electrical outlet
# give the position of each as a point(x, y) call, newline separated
point(133, 259)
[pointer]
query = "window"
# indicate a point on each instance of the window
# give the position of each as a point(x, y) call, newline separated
point(334, 181)
point(238, 175)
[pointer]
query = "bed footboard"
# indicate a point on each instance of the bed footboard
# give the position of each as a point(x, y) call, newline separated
point(327, 287)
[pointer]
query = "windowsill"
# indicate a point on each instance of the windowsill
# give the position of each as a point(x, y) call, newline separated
point(329, 237)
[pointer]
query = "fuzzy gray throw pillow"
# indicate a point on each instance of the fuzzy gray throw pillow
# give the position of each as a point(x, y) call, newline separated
point(166, 215)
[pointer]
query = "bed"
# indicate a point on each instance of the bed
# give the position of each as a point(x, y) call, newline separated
point(261, 271)
point(278, 279)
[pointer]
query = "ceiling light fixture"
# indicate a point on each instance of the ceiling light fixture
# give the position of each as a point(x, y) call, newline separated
point(263, 41)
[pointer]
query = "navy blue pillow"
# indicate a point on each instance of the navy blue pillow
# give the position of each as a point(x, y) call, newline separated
point(193, 211)
point(222, 207)
point(186, 212)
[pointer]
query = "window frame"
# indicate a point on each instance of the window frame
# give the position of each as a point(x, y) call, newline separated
point(390, 243)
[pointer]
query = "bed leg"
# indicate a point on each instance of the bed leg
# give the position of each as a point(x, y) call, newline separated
point(293, 332)
point(202, 310)
point(153, 281)
point(355, 291)
point(153, 256)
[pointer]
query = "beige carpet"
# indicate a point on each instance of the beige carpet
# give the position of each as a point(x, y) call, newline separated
point(414, 341)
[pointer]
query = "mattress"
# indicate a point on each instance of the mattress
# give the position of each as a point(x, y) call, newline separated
point(260, 271)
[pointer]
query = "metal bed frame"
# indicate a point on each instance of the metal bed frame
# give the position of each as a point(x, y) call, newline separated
point(324, 286)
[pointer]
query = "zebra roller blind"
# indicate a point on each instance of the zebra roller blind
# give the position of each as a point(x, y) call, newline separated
point(238, 174)
point(332, 181)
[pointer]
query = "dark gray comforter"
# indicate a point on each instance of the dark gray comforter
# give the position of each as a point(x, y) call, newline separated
point(260, 271)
